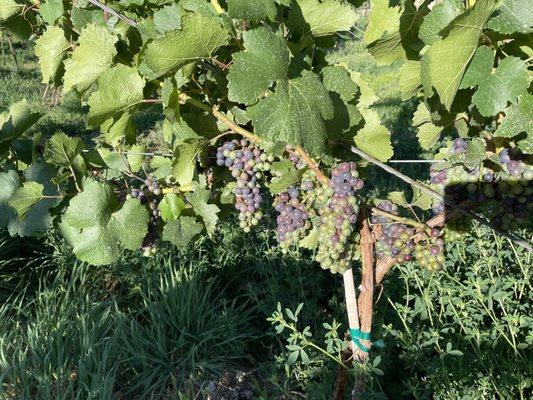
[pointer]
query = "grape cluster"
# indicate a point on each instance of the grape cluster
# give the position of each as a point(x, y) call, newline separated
point(293, 219)
point(429, 252)
point(338, 216)
point(395, 239)
point(501, 189)
point(247, 164)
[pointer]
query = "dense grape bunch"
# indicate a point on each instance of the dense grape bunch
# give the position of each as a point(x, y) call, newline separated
point(247, 164)
point(293, 218)
point(501, 188)
point(396, 239)
point(429, 251)
point(338, 217)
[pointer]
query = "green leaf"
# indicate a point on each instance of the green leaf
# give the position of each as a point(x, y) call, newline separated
point(181, 231)
point(293, 357)
point(311, 240)
point(119, 128)
point(199, 37)
point(184, 161)
point(17, 120)
point(51, 10)
point(322, 18)
point(170, 99)
point(135, 158)
point(168, 18)
point(421, 199)
point(295, 113)
point(410, 81)
point(119, 88)
point(284, 175)
point(171, 206)
point(336, 78)
point(51, 49)
point(26, 197)
point(513, 16)
point(439, 18)
point(504, 85)
point(398, 198)
point(38, 218)
point(252, 9)
point(428, 133)
point(265, 60)
point(392, 32)
point(518, 119)
point(93, 56)
point(81, 18)
point(9, 182)
point(444, 64)
point(61, 149)
point(208, 212)
point(9, 8)
point(373, 138)
point(479, 67)
point(97, 229)
point(475, 153)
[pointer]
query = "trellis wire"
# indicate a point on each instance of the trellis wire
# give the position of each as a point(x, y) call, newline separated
point(113, 12)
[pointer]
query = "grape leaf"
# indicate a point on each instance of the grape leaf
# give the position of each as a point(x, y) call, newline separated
point(475, 153)
point(51, 49)
point(171, 206)
point(38, 218)
point(9, 182)
point(284, 174)
point(393, 32)
point(295, 113)
point(198, 199)
point(440, 16)
point(428, 133)
point(135, 157)
point(168, 18)
point(410, 79)
point(444, 64)
point(51, 10)
point(265, 60)
point(518, 119)
point(184, 161)
point(373, 138)
point(322, 18)
point(252, 9)
point(16, 121)
point(504, 85)
point(81, 18)
point(61, 149)
point(421, 199)
point(336, 78)
point(181, 231)
point(97, 228)
point(479, 67)
point(199, 37)
point(119, 88)
point(26, 197)
point(94, 55)
point(9, 8)
point(513, 16)
point(312, 240)
point(119, 128)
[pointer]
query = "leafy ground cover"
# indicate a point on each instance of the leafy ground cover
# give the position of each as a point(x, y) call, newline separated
point(193, 323)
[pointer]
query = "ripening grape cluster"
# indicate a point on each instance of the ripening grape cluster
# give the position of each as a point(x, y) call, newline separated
point(247, 164)
point(338, 217)
point(501, 188)
point(397, 240)
point(149, 193)
point(293, 219)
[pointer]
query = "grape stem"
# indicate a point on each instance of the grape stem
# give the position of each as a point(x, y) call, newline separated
point(404, 220)
point(518, 240)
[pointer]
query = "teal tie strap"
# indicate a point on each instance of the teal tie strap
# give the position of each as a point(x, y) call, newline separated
point(358, 335)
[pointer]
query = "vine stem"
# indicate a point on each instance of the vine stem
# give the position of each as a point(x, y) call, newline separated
point(522, 242)
point(407, 221)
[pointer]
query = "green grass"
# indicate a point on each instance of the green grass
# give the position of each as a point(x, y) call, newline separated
point(188, 323)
